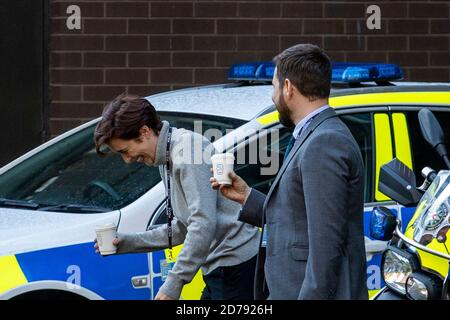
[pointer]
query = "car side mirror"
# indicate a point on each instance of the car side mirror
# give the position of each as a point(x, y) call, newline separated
point(382, 223)
point(398, 182)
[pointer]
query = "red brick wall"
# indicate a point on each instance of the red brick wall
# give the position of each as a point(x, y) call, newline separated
point(146, 47)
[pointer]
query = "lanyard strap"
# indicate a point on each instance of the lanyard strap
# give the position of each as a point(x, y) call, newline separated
point(169, 211)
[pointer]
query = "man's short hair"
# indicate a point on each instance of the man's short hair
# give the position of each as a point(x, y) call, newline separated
point(123, 117)
point(308, 68)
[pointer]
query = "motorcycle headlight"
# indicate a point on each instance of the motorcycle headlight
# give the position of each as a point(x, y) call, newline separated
point(397, 266)
point(423, 287)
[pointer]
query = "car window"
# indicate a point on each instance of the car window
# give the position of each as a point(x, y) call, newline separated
point(423, 155)
point(275, 148)
point(360, 125)
point(70, 172)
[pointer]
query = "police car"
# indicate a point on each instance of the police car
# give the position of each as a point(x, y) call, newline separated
point(52, 198)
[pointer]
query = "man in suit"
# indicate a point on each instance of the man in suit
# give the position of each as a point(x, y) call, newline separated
point(313, 213)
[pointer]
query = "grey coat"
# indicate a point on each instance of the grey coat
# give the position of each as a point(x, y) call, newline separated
point(205, 221)
point(314, 216)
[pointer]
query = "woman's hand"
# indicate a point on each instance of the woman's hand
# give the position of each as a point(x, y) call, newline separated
point(116, 242)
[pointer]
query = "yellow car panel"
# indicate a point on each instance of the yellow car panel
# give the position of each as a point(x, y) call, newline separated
point(425, 98)
point(401, 136)
point(194, 289)
point(11, 275)
point(383, 147)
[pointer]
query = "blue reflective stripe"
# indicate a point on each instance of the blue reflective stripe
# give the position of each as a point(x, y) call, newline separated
point(157, 283)
point(407, 214)
point(109, 277)
point(157, 256)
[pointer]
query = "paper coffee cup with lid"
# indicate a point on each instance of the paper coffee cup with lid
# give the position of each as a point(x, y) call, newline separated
point(105, 236)
point(222, 164)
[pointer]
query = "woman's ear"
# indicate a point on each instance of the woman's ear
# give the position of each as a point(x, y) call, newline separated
point(144, 131)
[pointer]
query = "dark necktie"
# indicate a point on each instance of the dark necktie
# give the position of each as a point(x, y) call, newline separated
point(289, 147)
point(292, 141)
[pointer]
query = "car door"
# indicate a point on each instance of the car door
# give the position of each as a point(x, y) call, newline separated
point(159, 267)
point(396, 134)
point(371, 128)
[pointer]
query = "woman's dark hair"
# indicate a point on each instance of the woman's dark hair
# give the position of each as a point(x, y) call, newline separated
point(307, 67)
point(123, 117)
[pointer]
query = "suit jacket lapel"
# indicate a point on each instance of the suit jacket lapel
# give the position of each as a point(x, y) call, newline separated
point(329, 113)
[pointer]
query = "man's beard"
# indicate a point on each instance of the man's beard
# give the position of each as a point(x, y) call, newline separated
point(284, 114)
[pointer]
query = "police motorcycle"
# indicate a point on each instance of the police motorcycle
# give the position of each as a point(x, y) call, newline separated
point(415, 264)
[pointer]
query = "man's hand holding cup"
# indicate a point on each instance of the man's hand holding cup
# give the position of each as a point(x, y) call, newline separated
point(226, 180)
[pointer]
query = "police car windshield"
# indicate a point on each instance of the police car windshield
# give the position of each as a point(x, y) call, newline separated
point(69, 172)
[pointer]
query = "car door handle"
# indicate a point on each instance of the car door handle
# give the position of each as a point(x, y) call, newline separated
point(140, 282)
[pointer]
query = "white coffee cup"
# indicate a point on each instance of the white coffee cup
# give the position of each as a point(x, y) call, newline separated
point(105, 236)
point(222, 164)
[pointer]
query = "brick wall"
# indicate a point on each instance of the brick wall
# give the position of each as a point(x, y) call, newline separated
point(146, 47)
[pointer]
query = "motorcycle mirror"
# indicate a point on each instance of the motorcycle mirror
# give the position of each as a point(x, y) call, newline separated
point(382, 224)
point(432, 133)
point(398, 182)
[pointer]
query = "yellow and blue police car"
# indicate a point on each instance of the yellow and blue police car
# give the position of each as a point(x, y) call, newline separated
point(52, 198)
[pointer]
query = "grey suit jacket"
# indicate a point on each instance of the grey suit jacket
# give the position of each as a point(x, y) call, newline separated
point(314, 215)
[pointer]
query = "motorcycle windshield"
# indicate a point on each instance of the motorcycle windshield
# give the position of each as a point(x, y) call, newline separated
point(431, 220)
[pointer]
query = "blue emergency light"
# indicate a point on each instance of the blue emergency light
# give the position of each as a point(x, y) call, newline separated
point(382, 223)
point(364, 72)
point(344, 72)
point(252, 71)
point(265, 70)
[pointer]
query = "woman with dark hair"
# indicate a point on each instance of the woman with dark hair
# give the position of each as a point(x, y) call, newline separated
point(201, 218)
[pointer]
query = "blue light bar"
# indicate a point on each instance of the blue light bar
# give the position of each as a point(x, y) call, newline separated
point(252, 71)
point(341, 72)
point(243, 71)
point(265, 71)
point(364, 72)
